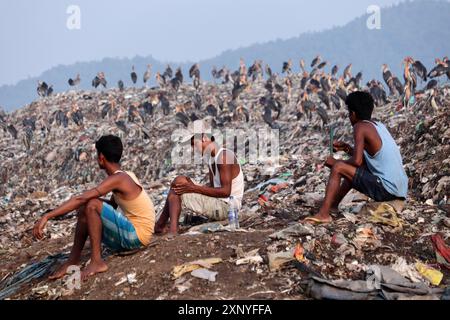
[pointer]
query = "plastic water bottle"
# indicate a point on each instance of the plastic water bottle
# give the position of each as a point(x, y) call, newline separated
point(236, 213)
point(232, 215)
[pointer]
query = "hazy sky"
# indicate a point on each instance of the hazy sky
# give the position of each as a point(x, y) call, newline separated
point(34, 36)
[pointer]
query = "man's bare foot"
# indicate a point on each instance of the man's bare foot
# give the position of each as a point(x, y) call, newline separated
point(93, 268)
point(160, 231)
point(170, 235)
point(62, 271)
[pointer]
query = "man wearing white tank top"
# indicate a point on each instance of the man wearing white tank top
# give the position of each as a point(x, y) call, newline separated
point(225, 180)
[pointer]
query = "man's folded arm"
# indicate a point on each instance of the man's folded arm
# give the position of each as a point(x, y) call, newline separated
point(108, 185)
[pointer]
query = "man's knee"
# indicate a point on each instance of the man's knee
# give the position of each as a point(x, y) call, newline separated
point(338, 168)
point(94, 205)
point(179, 180)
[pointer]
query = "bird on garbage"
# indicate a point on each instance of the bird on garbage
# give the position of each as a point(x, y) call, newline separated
point(122, 126)
point(410, 80)
point(324, 98)
point(78, 117)
point(334, 70)
point(335, 100)
point(133, 75)
point(447, 62)
point(304, 106)
point(273, 104)
point(255, 71)
point(439, 70)
point(105, 110)
point(168, 73)
point(393, 83)
point(323, 115)
point(61, 119)
point(148, 108)
point(43, 89)
point(211, 110)
point(27, 138)
point(355, 82)
point(99, 80)
point(30, 122)
point(267, 117)
point(75, 82)
point(194, 74)
point(165, 104)
point(269, 71)
point(325, 83)
point(322, 65)
point(13, 131)
point(121, 85)
point(348, 72)
point(183, 118)
point(419, 69)
point(160, 80)
point(315, 61)
point(133, 113)
point(147, 74)
point(197, 100)
point(287, 67)
point(177, 80)
point(377, 92)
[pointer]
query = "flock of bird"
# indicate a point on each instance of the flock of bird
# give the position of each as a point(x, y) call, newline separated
point(316, 90)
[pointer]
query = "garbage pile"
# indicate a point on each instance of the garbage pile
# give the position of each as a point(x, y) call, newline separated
point(47, 155)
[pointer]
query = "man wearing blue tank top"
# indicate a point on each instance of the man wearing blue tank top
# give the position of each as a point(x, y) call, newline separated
point(375, 167)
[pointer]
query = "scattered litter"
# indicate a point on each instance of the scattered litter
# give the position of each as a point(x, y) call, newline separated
point(432, 275)
point(178, 271)
point(381, 283)
point(130, 278)
point(296, 230)
point(277, 260)
point(251, 257)
point(31, 272)
point(407, 270)
point(183, 284)
point(442, 251)
point(385, 214)
point(204, 274)
point(365, 238)
point(338, 239)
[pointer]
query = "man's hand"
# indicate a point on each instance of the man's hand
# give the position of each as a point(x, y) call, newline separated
point(341, 146)
point(38, 230)
point(182, 188)
point(330, 162)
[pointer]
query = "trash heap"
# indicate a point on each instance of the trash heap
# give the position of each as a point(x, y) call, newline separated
point(53, 157)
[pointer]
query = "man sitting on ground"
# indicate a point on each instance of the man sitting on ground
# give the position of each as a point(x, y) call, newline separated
point(375, 167)
point(225, 176)
point(99, 219)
